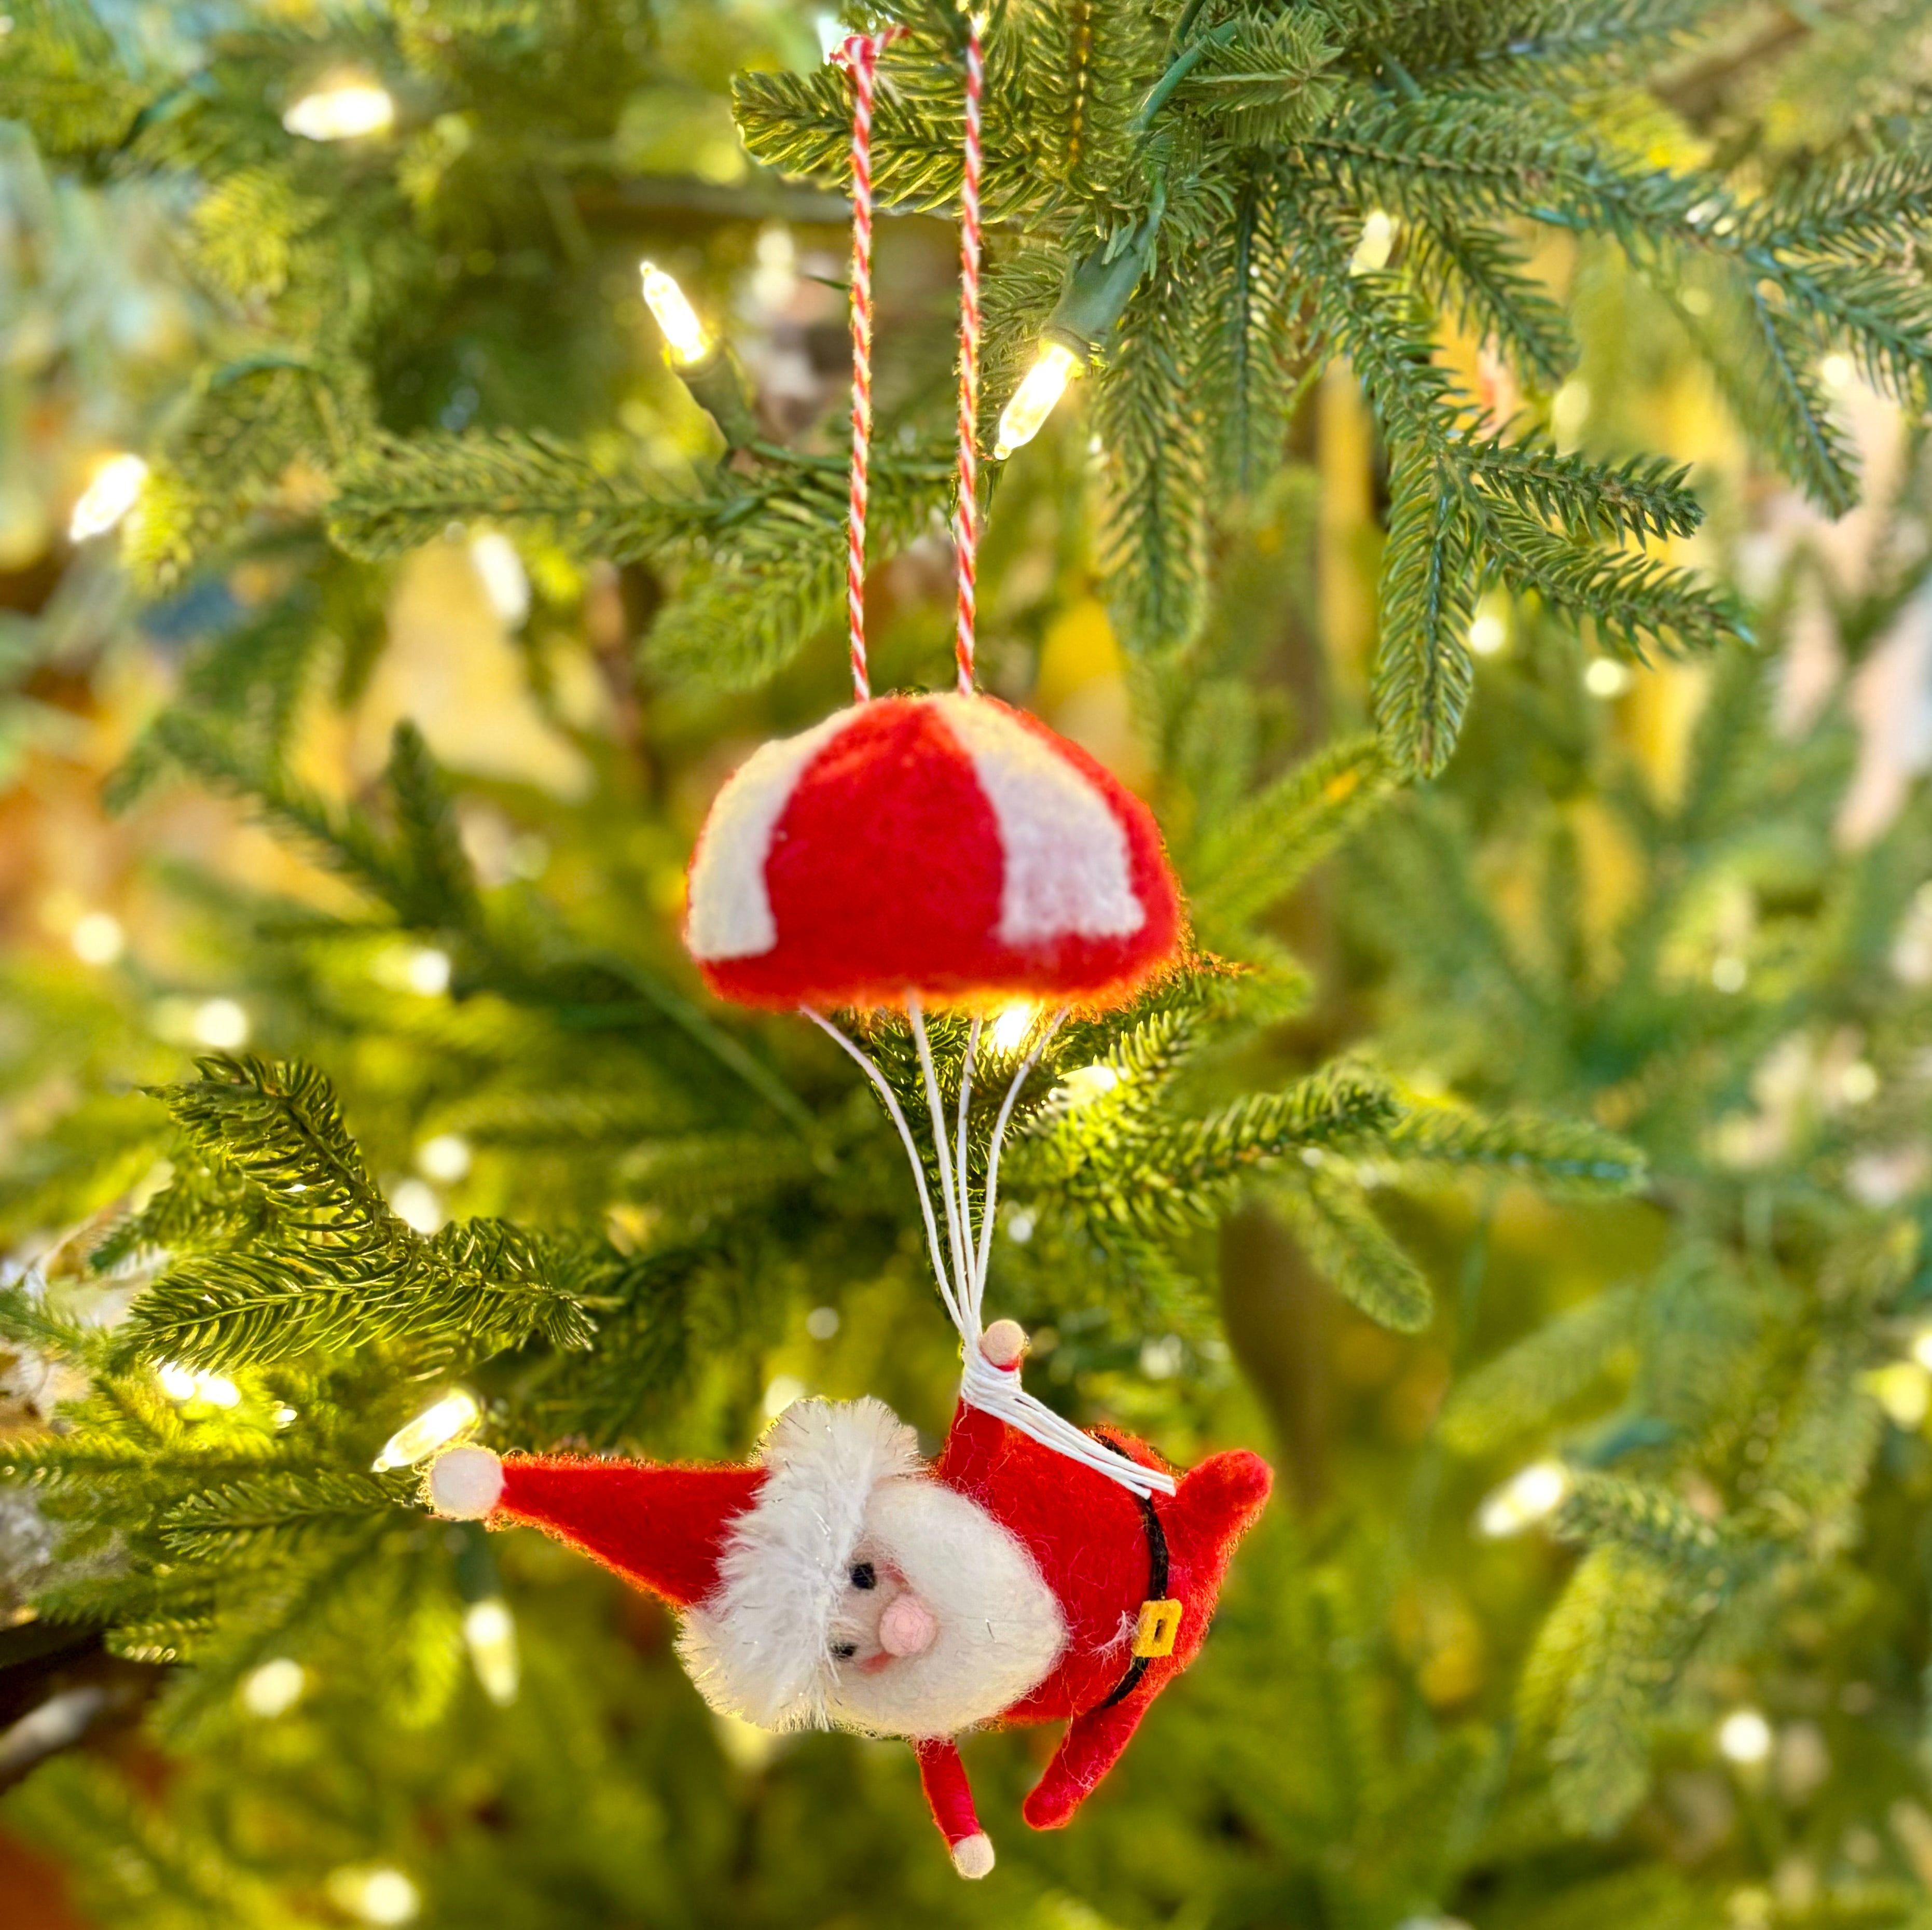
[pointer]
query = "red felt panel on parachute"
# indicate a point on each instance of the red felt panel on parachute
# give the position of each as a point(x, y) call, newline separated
point(948, 847)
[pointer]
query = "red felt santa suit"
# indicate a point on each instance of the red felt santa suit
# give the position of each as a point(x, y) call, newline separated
point(1027, 1581)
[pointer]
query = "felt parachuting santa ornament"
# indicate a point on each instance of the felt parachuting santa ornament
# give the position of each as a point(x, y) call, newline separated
point(909, 853)
point(841, 1580)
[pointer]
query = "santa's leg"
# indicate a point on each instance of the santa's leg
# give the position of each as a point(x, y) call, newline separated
point(949, 1796)
point(1092, 1745)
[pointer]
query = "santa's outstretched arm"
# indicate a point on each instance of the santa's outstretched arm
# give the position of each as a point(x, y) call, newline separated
point(949, 1796)
point(1090, 1748)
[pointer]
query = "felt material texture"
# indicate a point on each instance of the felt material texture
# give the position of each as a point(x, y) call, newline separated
point(1087, 1534)
point(663, 1528)
point(948, 847)
point(998, 1626)
point(948, 1794)
point(466, 1483)
point(1034, 1566)
point(758, 1645)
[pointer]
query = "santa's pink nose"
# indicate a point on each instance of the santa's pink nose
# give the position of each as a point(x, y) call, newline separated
point(907, 1627)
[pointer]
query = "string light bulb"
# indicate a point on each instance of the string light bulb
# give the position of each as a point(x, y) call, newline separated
point(114, 489)
point(451, 1416)
point(342, 110)
point(1743, 1737)
point(185, 1384)
point(1012, 1025)
point(1032, 402)
point(1527, 1497)
point(674, 315)
point(491, 1636)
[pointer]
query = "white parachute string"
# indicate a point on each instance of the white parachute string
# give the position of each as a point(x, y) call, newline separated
point(975, 1283)
point(995, 1390)
point(885, 1091)
point(1026, 1065)
point(936, 1113)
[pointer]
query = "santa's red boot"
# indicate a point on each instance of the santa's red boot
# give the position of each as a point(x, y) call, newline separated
point(840, 1581)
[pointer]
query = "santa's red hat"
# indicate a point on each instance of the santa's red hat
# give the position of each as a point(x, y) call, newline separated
point(1095, 1596)
point(946, 846)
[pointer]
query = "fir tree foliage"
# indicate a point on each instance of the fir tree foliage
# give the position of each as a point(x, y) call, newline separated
point(1264, 137)
point(234, 1314)
point(1720, 1410)
point(1243, 147)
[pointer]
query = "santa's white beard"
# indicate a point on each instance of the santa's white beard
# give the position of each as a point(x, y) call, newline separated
point(999, 1627)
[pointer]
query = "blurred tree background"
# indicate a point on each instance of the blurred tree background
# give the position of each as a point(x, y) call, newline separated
point(1546, 1194)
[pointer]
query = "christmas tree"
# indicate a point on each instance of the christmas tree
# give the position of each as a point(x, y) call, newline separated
point(1488, 521)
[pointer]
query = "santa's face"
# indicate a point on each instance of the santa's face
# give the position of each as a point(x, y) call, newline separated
point(881, 1619)
point(944, 1620)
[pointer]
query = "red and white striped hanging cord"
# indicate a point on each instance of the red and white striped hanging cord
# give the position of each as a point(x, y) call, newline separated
point(966, 517)
point(860, 55)
point(961, 1254)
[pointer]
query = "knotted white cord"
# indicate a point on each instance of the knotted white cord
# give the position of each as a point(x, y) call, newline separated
point(995, 1390)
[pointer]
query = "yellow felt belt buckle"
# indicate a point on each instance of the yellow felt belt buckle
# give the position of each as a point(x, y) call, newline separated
point(1159, 1625)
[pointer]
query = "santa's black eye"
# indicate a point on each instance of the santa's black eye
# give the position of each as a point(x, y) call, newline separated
point(845, 1651)
point(864, 1575)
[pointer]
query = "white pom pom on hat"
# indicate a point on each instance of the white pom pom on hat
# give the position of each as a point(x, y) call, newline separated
point(465, 1483)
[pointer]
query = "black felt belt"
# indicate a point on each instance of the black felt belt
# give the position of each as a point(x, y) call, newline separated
point(1156, 1540)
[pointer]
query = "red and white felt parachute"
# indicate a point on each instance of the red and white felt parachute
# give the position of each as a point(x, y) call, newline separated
point(945, 850)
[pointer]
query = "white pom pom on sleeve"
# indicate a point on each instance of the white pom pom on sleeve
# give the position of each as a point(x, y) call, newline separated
point(973, 1856)
point(466, 1483)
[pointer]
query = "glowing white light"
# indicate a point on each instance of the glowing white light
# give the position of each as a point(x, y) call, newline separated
point(417, 1207)
point(1569, 408)
point(114, 489)
point(822, 1323)
point(184, 1383)
point(1921, 1346)
point(1033, 401)
point(1020, 1224)
point(1836, 371)
point(491, 1636)
point(500, 570)
point(341, 110)
point(379, 1895)
point(1606, 678)
point(1903, 1389)
point(1086, 1084)
point(1858, 1083)
point(675, 315)
point(1745, 1737)
point(1728, 974)
point(1162, 1359)
point(780, 1393)
point(285, 1417)
point(1528, 1496)
point(274, 1689)
point(1013, 1025)
point(1488, 635)
point(221, 1024)
point(428, 973)
point(454, 1414)
point(775, 278)
point(97, 938)
point(1377, 244)
point(445, 1158)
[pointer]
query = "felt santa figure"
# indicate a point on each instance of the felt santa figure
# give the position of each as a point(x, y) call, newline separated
point(840, 1581)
